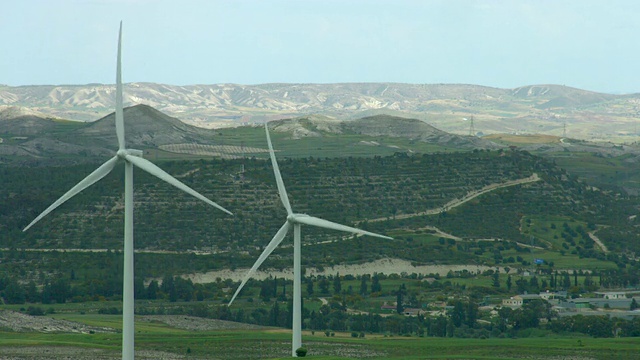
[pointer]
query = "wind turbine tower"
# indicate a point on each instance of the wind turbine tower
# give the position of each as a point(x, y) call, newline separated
point(131, 158)
point(296, 221)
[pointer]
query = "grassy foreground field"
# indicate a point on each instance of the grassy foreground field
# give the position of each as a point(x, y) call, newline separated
point(155, 339)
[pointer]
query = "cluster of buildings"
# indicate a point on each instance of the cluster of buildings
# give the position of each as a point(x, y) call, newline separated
point(613, 303)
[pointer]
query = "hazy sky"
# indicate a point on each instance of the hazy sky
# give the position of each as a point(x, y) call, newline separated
point(587, 44)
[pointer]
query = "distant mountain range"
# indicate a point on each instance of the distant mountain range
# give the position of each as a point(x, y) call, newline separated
point(548, 109)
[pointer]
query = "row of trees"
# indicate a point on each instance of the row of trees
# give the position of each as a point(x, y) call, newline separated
point(460, 321)
point(61, 290)
point(174, 288)
point(56, 291)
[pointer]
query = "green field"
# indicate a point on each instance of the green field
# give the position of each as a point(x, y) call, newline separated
point(329, 145)
point(157, 338)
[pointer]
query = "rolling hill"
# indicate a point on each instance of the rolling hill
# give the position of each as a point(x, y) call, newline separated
point(145, 127)
point(35, 140)
point(406, 196)
point(379, 126)
point(21, 121)
point(32, 138)
point(162, 135)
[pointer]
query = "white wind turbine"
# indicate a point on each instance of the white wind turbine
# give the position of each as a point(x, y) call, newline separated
point(296, 220)
point(130, 157)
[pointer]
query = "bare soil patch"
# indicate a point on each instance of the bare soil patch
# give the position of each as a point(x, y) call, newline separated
point(19, 322)
point(198, 324)
point(386, 266)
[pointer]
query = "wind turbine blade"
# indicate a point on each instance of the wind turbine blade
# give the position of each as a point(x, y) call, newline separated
point(276, 170)
point(152, 169)
point(119, 111)
point(277, 239)
point(96, 175)
point(314, 221)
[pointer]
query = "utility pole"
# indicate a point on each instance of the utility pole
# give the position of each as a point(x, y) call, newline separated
point(635, 127)
point(243, 159)
point(472, 130)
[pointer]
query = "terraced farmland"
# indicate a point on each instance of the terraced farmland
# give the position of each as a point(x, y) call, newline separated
point(346, 190)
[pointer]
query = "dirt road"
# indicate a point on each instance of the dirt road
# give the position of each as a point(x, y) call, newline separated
point(470, 196)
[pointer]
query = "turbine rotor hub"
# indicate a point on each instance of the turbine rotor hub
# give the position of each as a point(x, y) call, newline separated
point(122, 153)
point(293, 218)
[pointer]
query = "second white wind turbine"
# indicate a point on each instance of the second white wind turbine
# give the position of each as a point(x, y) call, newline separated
point(295, 220)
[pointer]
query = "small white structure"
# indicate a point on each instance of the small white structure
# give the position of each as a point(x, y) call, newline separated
point(413, 312)
point(514, 301)
point(611, 295)
point(549, 295)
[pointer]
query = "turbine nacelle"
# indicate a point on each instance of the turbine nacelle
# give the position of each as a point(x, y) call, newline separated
point(293, 218)
point(122, 153)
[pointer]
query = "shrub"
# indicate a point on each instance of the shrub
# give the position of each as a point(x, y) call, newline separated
point(109, 311)
point(301, 352)
point(35, 311)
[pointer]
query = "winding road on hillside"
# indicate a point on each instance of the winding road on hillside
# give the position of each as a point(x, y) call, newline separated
point(470, 196)
point(592, 235)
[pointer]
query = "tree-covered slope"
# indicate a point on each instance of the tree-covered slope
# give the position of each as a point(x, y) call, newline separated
point(347, 190)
